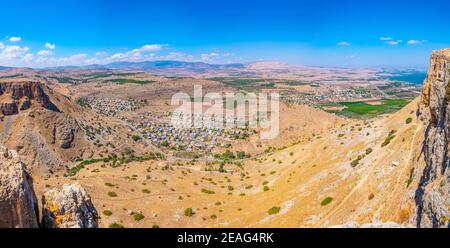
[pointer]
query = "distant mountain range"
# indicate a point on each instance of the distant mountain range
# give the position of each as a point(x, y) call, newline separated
point(151, 66)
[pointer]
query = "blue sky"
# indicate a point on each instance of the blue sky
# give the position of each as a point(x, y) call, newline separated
point(321, 33)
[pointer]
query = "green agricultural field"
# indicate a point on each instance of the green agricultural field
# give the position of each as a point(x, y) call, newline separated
point(129, 81)
point(365, 110)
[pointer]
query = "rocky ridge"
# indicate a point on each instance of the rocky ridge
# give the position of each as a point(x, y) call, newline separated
point(15, 97)
point(18, 203)
point(67, 207)
point(432, 196)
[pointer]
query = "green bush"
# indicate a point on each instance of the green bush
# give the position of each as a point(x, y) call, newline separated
point(107, 212)
point(207, 191)
point(135, 137)
point(326, 201)
point(274, 210)
point(188, 212)
point(115, 225)
point(138, 216)
point(389, 138)
point(112, 194)
point(408, 120)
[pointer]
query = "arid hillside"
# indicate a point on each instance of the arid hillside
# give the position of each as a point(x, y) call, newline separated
point(322, 171)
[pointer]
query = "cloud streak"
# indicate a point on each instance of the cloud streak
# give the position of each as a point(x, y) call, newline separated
point(343, 43)
point(14, 39)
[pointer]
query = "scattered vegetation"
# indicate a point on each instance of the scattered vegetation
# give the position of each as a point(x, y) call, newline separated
point(129, 81)
point(138, 216)
point(124, 159)
point(389, 138)
point(408, 120)
point(326, 201)
point(107, 212)
point(274, 210)
point(115, 225)
point(135, 137)
point(188, 212)
point(112, 194)
point(207, 191)
point(411, 177)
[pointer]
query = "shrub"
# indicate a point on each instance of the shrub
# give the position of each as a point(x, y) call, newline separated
point(213, 217)
point(369, 151)
point(207, 191)
point(408, 120)
point(107, 212)
point(389, 138)
point(188, 212)
point(354, 163)
point(112, 194)
point(266, 188)
point(326, 201)
point(115, 225)
point(146, 191)
point(135, 137)
point(274, 210)
point(138, 216)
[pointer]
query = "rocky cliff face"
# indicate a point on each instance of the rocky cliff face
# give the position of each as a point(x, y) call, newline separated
point(432, 196)
point(18, 203)
point(68, 207)
point(15, 96)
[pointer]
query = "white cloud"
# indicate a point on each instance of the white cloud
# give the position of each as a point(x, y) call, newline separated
point(209, 56)
point(22, 56)
point(385, 38)
point(151, 48)
point(14, 39)
point(45, 53)
point(28, 58)
point(139, 54)
point(415, 42)
point(50, 46)
point(394, 42)
point(343, 43)
point(13, 53)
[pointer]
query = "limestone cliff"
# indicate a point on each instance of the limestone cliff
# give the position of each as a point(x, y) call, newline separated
point(18, 203)
point(15, 96)
point(68, 207)
point(432, 196)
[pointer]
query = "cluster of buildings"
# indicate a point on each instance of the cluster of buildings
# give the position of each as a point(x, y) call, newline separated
point(111, 106)
point(160, 130)
point(329, 94)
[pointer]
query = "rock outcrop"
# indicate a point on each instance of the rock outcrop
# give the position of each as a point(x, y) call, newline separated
point(18, 203)
point(372, 225)
point(68, 207)
point(15, 96)
point(432, 196)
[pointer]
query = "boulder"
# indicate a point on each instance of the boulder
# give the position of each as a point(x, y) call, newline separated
point(68, 207)
point(18, 202)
